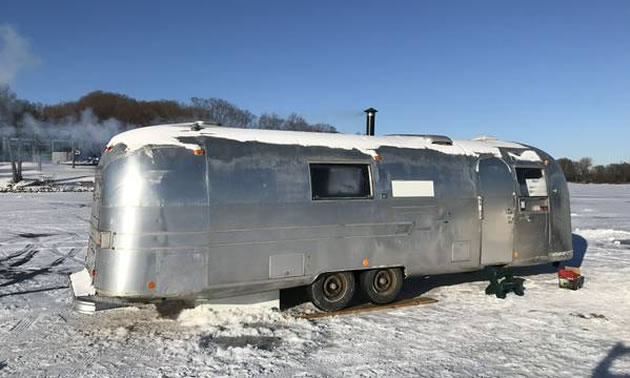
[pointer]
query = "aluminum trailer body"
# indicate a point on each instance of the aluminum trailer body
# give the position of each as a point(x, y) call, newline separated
point(182, 211)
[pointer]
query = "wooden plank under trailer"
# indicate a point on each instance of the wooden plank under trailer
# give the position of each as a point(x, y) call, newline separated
point(371, 308)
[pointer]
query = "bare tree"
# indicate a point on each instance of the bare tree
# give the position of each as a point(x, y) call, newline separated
point(323, 128)
point(16, 160)
point(270, 121)
point(583, 168)
point(568, 167)
point(584, 171)
point(222, 111)
point(7, 106)
point(296, 122)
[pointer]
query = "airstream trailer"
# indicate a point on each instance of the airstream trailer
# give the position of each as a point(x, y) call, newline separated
point(192, 211)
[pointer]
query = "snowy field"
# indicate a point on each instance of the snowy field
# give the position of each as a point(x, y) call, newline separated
point(550, 332)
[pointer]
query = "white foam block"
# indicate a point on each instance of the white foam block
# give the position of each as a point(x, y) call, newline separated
point(82, 283)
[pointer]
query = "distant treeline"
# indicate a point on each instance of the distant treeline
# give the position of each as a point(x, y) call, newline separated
point(129, 112)
point(584, 171)
point(134, 113)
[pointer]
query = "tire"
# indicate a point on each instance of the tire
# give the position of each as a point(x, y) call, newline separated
point(381, 286)
point(332, 291)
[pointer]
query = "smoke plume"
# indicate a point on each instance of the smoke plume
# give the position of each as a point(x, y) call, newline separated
point(15, 54)
point(85, 131)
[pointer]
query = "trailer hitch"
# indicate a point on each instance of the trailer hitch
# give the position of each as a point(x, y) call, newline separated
point(502, 282)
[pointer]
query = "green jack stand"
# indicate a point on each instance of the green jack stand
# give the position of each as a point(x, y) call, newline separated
point(501, 288)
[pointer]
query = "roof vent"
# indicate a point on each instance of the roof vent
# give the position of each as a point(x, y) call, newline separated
point(486, 138)
point(433, 139)
point(198, 125)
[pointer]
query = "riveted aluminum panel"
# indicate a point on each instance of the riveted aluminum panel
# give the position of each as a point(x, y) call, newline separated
point(460, 251)
point(288, 265)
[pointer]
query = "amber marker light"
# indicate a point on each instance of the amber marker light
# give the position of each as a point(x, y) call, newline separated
point(377, 157)
point(151, 285)
point(366, 262)
point(198, 152)
point(515, 254)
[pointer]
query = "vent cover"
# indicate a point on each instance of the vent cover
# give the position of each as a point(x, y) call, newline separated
point(433, 139)
point(486, 138)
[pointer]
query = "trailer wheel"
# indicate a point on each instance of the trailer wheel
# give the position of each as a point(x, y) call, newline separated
point(332, 291)
point(381, 286)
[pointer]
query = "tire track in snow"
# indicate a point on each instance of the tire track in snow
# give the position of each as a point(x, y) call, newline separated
point(13, 255)
point(70, 255)
point(11, 266)
point(26, 257)
point(19, 328)
point(24, 324)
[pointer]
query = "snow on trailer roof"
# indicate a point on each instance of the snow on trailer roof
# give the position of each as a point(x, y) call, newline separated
point(171, 135)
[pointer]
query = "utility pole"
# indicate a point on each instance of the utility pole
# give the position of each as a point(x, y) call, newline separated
point(73, 152)
point(39, 156)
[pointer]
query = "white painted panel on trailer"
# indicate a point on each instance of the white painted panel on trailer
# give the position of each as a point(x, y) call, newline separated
point(412, 188)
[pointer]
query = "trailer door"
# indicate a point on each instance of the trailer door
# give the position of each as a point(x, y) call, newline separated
point(532, 220)
point(496, 209)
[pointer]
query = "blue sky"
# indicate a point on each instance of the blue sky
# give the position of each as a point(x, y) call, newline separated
point(555, 74)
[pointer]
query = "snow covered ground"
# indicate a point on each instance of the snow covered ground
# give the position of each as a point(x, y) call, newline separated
point(548, 332)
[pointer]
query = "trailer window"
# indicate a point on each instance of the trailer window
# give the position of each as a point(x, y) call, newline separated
point(340, 181)
point(531, 182)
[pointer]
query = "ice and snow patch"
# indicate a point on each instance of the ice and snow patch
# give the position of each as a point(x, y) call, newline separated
point(549, 332)
point(121, 332)
point(137, 139)
point(242, 330)
point(609, 235)
point(171, 135)
point(207, 316)
point(527, 155)
point(607, 238)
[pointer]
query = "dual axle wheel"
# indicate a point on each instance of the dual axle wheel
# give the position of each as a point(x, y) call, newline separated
point(334, 291)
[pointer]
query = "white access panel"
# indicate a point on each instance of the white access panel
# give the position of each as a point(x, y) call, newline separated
point(412, 188)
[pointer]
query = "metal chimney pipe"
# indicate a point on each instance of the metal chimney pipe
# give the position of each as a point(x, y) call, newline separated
point(369, 122)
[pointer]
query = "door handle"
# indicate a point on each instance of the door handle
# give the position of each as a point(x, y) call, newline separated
point(480, 206)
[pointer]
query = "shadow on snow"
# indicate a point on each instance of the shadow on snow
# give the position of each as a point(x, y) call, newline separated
point(602, 370)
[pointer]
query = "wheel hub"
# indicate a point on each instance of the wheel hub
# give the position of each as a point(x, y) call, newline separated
point(333, 287)
point(383, 281)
